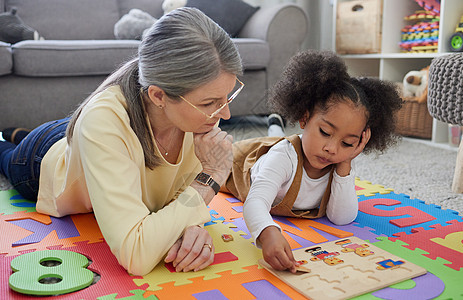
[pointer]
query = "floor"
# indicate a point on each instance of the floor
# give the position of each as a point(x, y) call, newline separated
point(253, 126)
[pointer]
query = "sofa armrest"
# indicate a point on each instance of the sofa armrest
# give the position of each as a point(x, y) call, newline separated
point(6, 59)
point(284, 27)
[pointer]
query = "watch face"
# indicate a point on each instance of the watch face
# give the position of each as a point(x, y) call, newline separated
point(203, 178)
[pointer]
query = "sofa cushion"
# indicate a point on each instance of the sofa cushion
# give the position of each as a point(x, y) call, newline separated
point(6, 59)
point(69, 20)
point(254, 53)
point(71, 58)
point(153, 7)
point(231, 15)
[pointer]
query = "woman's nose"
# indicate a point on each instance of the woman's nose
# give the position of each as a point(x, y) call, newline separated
point(225, 113)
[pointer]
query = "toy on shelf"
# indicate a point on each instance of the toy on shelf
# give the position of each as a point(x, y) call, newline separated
point(415, 85)
point(430, 5)
point(456, 40)
point(422, 37)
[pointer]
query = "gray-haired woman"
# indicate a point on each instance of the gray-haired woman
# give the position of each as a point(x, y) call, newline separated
point(143, 152)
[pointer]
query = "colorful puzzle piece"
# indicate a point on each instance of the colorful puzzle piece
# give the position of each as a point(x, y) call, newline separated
point(385, 213)
point(407, 221)
point(426, 286)
point(214, 218)
point(426, 240)
point(50, 272)
point(306, 228)
point(261, 289)
point(137, 295)
point(247, 255)
point(451, 278)
point(238, 225)
point(11, 202)
point(227, 286)
point(223, 204)
point(64, 228)
point(114, 278)
point(366, 188)
point(47, 231)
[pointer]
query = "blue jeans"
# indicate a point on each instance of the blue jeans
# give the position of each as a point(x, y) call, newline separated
point(21, 163)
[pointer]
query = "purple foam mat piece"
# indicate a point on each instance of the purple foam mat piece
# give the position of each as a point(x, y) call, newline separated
point(262, 289)
point(64, 228)
point(232, 200)
point(210, 295)
point(238, 209)
point(240, 226)
point(366, 233)
point(428, 286)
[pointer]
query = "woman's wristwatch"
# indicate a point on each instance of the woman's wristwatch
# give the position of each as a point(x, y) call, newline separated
point(206, 179)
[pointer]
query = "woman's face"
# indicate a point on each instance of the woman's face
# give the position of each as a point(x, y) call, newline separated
point(191, 114)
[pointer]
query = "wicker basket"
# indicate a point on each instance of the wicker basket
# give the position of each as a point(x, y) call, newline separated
point(414, 120)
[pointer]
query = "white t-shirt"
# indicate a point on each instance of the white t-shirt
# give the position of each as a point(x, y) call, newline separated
point(271, 177)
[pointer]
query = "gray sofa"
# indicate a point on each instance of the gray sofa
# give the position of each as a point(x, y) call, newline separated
point(46, 79)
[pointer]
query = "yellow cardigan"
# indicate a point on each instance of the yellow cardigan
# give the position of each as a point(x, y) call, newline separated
point(141, 212)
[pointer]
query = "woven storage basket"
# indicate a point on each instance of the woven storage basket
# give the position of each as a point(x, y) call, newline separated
point(414, 120)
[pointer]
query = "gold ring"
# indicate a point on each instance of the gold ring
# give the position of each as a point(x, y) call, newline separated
point(209, 246)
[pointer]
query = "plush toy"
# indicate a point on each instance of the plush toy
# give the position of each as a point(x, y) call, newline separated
point(170, 5)
point(13, 29)
point(415, 85)
point(132, 25)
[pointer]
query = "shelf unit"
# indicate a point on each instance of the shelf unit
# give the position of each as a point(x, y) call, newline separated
point(392, 65)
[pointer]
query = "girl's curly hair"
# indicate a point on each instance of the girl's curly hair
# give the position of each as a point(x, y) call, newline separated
point(316, 80)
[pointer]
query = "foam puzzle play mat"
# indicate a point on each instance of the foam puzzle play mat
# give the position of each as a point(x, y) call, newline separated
point(397, 248)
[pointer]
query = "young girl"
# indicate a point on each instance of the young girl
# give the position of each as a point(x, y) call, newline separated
point(312, 174)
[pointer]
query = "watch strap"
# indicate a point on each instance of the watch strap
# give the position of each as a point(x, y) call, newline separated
point(206, 179)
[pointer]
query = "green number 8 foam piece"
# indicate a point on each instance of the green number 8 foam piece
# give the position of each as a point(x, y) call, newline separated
point(67, 273)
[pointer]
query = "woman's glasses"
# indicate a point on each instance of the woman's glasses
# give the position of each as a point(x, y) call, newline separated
point(229, 100)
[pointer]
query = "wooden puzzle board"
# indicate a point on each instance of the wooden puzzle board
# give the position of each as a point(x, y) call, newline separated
point(345, 268)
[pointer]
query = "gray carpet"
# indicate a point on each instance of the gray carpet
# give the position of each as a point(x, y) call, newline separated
point(412, 167)
point(419, 170)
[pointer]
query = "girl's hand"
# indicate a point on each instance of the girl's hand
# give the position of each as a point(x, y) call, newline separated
point(343, 168)
point(194, 251)
point(276, 250)
point(366, 135)
point(214, 151)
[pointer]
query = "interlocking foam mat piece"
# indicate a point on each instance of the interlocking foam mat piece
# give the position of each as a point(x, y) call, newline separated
point(422, 234)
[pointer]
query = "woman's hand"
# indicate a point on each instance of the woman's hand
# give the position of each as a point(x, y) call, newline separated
point(276, 250)
point(214, 151)
point(343, 168)
point(194, 251)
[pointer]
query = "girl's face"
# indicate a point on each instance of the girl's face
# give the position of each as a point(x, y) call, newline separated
point(191, 114)
point(331, 137)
